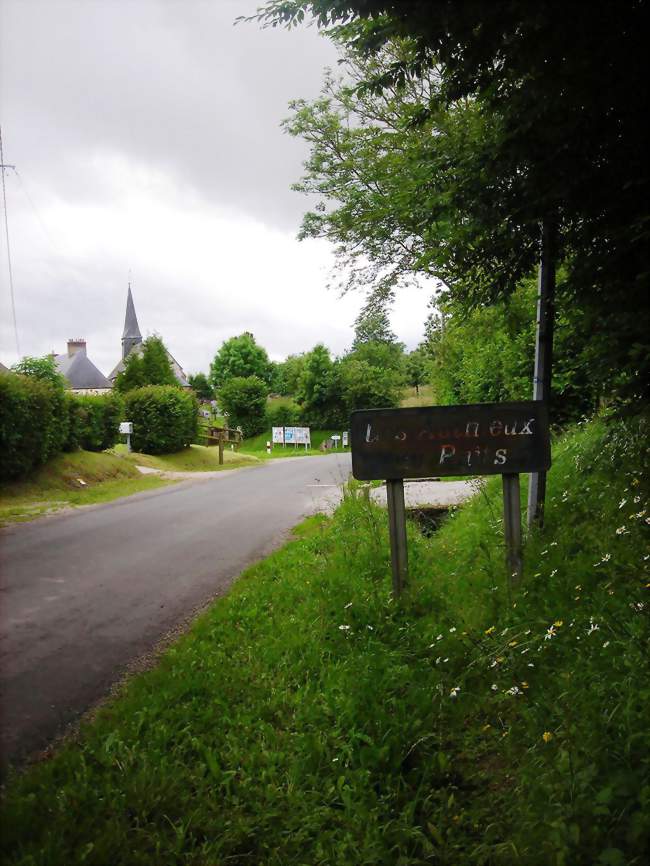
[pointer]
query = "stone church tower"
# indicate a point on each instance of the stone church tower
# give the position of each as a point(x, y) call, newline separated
point(131, 335)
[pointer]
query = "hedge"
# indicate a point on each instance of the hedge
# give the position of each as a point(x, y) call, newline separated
point(95, 422)
point(38, 419)
point(164, 418)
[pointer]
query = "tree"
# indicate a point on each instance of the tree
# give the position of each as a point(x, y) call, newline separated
point(40, 368)
point(320, 393)
point(289, 374)
point(201, 387)
point(548, 98)
point(372, 325)
point(149, 365)
point(416, 369)
point(132, 376)
point(364, 386)
point(243, 399)
point(241, 357)
point(156, 366)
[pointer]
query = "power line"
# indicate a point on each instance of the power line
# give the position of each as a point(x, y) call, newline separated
point(3, 167)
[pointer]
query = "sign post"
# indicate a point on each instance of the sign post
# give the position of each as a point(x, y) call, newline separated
point(126, 428)
point(477, 439)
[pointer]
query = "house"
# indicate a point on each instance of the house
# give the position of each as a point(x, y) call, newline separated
point(81, 374)
point(132, 343)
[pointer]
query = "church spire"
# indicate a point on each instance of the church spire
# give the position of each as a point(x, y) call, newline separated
point(131, 335)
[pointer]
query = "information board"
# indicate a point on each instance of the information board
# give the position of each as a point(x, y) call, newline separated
point(278, 435)
point(474, 439)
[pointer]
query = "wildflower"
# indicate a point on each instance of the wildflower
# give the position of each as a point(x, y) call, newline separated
point(514, 691)
point(537, 574)
point(558, 623)
point(553, 544)
point(454, 692)
point(622, 503)
point(494, 687)
point(550, 633)
point(513, 643)
point(491, 630)
point(370, 627)
point(531, 665)
point(452, 630)
point(486, 727)
point(439, 637)
point(349, 604)
point(647, 520)
point(636, 500)
point(606, 644)
point(524, 651)
point(544, 552)
point(344, 628)
point(622, 530)
point(554, 572)
point(524, 684)
point(547, 736)
point(640, 514)
point(593, 626)
point(438, 660)
point(527, 632)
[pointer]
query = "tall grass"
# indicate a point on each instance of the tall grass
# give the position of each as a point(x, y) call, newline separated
point(310, 719)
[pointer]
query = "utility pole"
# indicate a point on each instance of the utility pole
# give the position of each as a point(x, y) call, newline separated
point(543, 355)
point(3, 167)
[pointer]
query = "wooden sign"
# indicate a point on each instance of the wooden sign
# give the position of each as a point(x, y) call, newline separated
point(474, 439)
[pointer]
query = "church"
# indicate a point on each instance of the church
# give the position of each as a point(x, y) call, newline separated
point(132, 343)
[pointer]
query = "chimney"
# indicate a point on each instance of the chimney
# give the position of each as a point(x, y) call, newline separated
point(75, 346)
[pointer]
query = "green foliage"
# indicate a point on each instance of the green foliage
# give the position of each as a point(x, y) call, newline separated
point(40, 368)
point(417, 369)
point(365, 386)
point(164, 418)
point(487, 354)
point(372, 325)
point(34, 422)
point(457, 132)
point(239, 357)
point(201, 387)
point(288, 375)
point(309, 718)
point(146, 364)
point(243, 399)
point(95, 421)
point(283, 416)
point(320, 394)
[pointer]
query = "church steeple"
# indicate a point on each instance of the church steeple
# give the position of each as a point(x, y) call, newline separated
point(131, 335)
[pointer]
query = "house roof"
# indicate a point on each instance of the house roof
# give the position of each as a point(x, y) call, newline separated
point(131, 327)
point(80, 371)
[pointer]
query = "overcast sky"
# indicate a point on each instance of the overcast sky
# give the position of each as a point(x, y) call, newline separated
point(146, 135)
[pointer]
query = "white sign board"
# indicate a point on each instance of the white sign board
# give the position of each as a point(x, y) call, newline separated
point(345, 439)
point(278, 435)
point(303, 435)
point(126, 427)
point(289, 435)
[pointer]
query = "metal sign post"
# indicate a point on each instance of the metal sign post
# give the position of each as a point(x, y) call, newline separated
point(477, 439)
point(126, 428)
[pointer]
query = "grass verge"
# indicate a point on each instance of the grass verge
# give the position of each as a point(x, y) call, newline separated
point(256, 446)
point(57, 485)
point(195, 458)
point(309, 719)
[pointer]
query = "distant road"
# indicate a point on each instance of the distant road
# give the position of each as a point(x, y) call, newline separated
point(85, 593)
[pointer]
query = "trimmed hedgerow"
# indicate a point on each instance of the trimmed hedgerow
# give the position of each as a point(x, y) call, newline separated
point(164, 418)
point(34, 423)
point(95, 422)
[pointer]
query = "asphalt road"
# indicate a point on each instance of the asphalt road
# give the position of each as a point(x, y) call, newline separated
point(84, 594)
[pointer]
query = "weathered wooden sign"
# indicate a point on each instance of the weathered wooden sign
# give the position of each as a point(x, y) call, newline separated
point(474, 439)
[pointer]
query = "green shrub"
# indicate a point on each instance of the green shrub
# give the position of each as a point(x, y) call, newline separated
point(95, 424)
point(164, 418)
point(283, 416)
point(243, 399)
point(34, 423)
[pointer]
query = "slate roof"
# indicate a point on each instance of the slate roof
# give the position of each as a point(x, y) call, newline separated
point(131, 327)
point(80, 371)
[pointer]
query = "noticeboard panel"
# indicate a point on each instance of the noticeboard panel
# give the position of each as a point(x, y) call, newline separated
point(473, 439)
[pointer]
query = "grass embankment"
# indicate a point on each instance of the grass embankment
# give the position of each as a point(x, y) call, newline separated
point(309, 719)
point(256, 445)
point(57, 485)
point(425, 396)
point(196, 458)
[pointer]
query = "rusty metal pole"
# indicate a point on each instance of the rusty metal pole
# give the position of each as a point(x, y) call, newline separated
point(543, 356)
point(221, 448)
